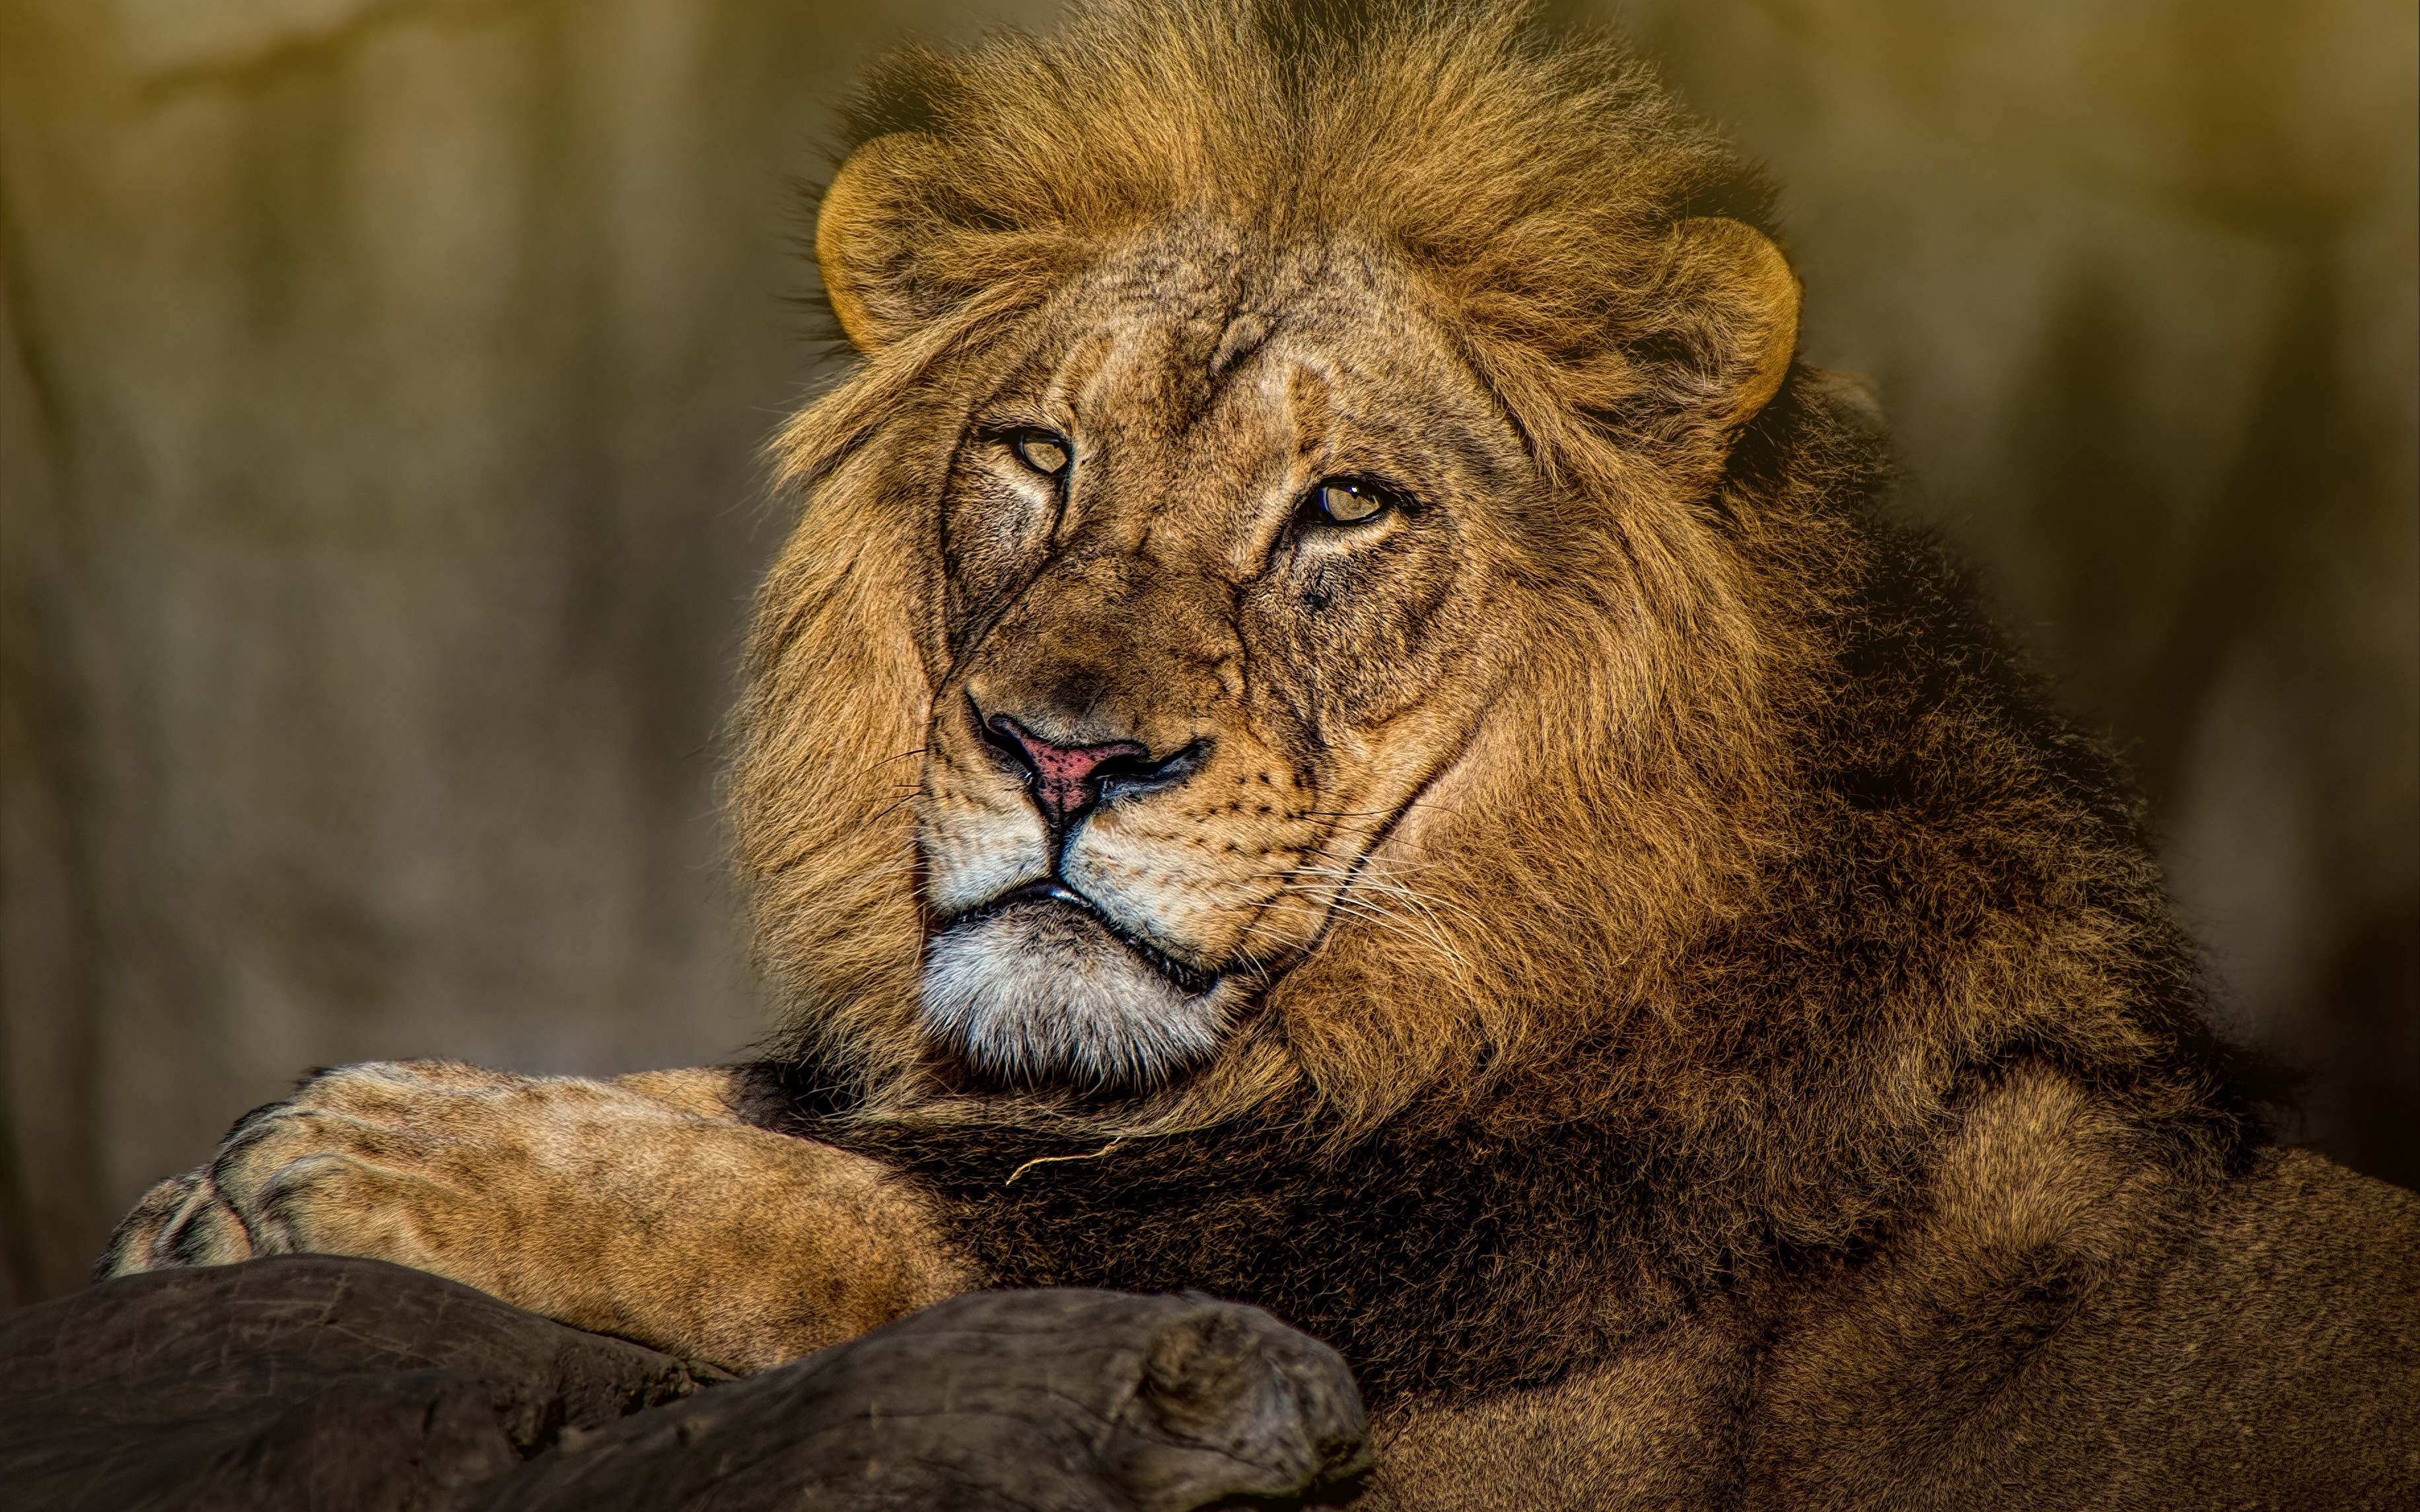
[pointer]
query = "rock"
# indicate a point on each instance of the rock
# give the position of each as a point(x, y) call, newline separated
point(320, 1381)
point(298, 1380)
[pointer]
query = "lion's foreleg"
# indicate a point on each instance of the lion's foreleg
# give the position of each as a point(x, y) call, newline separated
point(637, 1207)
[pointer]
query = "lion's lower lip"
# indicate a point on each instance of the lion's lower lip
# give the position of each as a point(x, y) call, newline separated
point(1190, 980)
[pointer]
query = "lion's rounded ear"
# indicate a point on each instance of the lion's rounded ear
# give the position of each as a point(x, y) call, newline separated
point(1750, 300)
point(872, 220)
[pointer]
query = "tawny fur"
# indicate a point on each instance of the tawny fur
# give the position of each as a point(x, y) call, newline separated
point(1745, 1059)
point(1536, 191)
point(1674, 869)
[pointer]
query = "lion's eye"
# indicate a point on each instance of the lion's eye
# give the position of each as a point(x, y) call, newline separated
point(1348, 500)
point(1042, 451)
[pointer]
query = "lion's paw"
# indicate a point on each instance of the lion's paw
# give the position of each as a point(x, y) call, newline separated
point(635, 1207)
point(383, 1160)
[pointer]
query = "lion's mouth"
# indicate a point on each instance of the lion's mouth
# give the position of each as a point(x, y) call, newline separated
point(1190, 980)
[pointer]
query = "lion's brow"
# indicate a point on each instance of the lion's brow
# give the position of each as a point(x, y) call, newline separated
point(1246, 333)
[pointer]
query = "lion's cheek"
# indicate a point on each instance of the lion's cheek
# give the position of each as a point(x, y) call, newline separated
point(1196, 894)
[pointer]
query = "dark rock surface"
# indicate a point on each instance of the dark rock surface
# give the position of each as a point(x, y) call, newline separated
point(315, 1381)
point(300, 1381)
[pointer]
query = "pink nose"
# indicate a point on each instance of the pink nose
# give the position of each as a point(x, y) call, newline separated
point(1066, 779)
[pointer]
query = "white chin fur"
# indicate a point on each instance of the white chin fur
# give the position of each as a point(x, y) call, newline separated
point(1042, 992)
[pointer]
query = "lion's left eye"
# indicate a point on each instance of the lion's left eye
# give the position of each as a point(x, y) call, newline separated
point(1348, 500)
point(1045, 452)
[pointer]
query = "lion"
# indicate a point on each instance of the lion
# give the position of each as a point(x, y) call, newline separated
point(1344, 724)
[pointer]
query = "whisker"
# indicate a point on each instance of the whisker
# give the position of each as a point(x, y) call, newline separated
point(881, 762)
point(1421, 931)
point(1366, 904)
point(1373, 879)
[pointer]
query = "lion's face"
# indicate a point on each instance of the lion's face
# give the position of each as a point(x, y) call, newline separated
point(1280, 511)
point(1221, 601)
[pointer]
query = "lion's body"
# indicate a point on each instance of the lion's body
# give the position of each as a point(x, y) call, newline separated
point(1447, 811)
point(2245, 1349)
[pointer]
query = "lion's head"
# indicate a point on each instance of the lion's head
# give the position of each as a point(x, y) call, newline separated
point(1277, 605)
point(1266, 538)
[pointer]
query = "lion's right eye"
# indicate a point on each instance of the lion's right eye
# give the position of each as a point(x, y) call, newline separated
point(1348, 501)
point(1045, 452)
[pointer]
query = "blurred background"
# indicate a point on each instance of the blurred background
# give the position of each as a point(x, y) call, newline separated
point(381, 384)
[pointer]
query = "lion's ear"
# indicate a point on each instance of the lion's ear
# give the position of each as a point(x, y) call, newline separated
point(1747, 320)
point(873, 221)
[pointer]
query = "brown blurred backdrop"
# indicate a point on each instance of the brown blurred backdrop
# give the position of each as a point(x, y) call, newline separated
point(382, 378)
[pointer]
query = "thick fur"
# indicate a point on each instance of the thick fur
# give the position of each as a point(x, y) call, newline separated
point(1765, 855)
point(1965, 892)
point(1531, 196)
point(1614, 942)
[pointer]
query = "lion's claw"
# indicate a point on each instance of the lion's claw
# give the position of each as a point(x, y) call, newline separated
point(185, 1220)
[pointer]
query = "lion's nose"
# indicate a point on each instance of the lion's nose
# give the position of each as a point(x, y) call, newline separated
point(1066, 779)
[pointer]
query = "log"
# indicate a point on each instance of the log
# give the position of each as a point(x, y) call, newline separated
point(318, 1381)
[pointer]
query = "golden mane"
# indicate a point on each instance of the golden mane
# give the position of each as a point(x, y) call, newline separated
point(1594, 913)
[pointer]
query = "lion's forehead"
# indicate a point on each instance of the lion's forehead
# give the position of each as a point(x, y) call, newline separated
point(1207, 275)
point(1197, 330)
